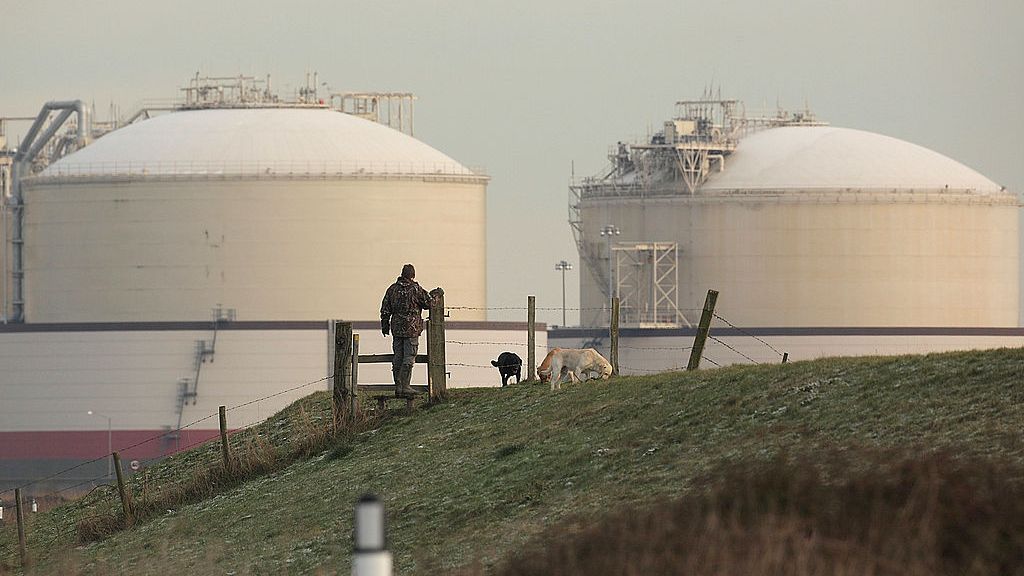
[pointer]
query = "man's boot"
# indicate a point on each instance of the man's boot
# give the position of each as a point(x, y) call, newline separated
point(404, 387)
point(396, 375)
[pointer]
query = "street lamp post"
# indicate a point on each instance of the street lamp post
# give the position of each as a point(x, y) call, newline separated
point(608, 231)
point(563, 266)
point(110, 443)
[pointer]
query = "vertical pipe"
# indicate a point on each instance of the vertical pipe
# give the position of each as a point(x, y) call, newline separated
point(27, 151)
point(531, 337)
point(4, 179)
point(563, 266)
point(611, 293)
point(613, 337)
point(15, 210)
point(563, 297)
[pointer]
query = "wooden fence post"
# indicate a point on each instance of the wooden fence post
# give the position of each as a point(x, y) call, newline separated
point(430, 366)
point(702, 330)
point(224, 448)
point(437, 384)
point(531, 338)
point(785, 357)
point(342, 368)
point(354, 396)
point(122, 490)
point(331, 348)
point(613, 337)
point(20, 514)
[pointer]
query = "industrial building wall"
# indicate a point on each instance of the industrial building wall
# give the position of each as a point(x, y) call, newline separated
point(845, 259)
point(272, 249)
point(50, 377)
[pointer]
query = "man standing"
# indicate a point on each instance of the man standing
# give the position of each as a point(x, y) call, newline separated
point(400, 314)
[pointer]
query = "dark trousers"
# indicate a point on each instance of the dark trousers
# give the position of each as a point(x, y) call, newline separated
point(405, 353)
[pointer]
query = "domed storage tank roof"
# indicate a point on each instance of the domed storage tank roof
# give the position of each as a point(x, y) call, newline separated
point(830, 158)
point(255, 140)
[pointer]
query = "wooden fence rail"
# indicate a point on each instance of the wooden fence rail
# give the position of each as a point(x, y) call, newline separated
point(344, 360)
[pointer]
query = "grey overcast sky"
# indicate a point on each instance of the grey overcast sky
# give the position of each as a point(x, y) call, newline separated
point(525, 88)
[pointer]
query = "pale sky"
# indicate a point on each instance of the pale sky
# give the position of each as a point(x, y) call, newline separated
point(527, 88)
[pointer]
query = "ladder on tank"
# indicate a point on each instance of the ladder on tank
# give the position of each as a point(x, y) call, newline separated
point(188, 387)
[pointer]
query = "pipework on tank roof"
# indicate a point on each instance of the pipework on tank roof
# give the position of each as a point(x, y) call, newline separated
point(28, 151)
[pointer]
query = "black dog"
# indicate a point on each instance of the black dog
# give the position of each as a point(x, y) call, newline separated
point(509, 364)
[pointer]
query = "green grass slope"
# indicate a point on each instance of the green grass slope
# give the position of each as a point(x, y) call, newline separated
point(470, 481)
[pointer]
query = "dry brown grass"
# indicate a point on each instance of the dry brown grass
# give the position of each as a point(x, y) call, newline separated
point(252, 455)
point(864, 512)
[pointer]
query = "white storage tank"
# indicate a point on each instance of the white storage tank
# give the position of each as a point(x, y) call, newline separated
point(284, 213)
point(812, 226)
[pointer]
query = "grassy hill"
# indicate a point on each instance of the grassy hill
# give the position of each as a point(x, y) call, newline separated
point(470, 481)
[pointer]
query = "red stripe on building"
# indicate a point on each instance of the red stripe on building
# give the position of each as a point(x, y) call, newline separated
point(89, 444)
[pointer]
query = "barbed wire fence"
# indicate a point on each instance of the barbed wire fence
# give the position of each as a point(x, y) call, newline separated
point(599, 341)
point(177, 431)
point(210, 455)
point(58, 528)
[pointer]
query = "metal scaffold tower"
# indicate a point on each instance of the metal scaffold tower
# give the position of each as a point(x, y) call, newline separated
point(647, 282)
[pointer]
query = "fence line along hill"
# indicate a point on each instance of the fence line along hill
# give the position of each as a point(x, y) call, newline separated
point(469, 482)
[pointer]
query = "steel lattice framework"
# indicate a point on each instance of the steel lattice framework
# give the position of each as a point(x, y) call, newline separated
point(647, 282)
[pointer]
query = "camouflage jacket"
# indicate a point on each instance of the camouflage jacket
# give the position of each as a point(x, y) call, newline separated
point(401, 306)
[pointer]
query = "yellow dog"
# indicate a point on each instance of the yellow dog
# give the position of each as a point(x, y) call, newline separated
point(576, 363)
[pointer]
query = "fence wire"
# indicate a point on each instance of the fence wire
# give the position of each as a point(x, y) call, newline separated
point(773, 348)
point(55, 475)
point(165, 434)
point(60, 532)
point(526, 308)
point(652, 370)
point(180, 429)
point(712, 361)
point(525, 345)
point(733, 349)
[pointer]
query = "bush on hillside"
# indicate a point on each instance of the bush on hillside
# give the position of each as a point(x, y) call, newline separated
point(859, 512)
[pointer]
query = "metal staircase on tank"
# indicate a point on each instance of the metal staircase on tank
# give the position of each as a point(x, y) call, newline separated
point(188, 387)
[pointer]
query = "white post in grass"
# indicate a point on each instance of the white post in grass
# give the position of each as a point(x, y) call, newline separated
point(370, 556)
